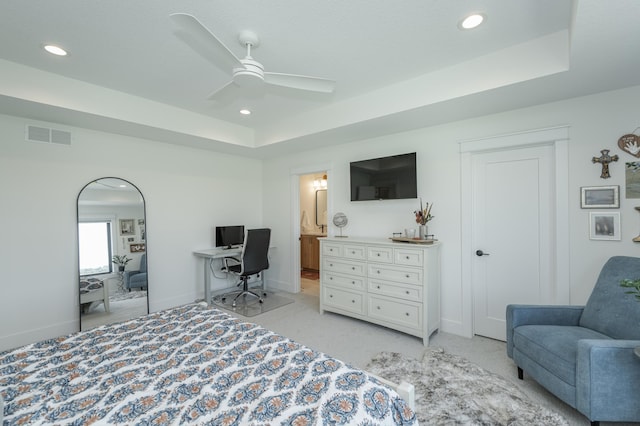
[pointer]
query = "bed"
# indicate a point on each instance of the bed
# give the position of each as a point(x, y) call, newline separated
point(189, 365)
point(93, 290)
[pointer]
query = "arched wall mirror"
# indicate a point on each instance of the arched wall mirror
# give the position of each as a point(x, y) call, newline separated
point(112, 253)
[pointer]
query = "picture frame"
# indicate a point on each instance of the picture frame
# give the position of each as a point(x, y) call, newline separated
point(600, 197)
point(137, 248)
point(127, 227)
point(604, 226)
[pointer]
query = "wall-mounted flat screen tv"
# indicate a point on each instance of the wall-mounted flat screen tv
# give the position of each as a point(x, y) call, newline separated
point(386, 178)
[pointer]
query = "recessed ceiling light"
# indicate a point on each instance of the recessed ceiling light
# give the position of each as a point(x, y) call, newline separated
point(472, 21)
point(55, 50)
point(245, 111)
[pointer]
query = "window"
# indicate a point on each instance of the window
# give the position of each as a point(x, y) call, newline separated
point(95, 247)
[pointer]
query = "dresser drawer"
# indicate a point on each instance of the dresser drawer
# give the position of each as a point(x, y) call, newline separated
point(396, 273)
point(404, 313)
point(332, 249)
point(391, 289)
point(354, 283)
point(355, 252)
point(409, 257)
point(380, 254)
point(343, 299)
point(344, 266)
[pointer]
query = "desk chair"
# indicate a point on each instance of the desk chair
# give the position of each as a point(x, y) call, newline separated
point(253, 261)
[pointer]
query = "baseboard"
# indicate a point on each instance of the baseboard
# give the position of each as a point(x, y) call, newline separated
point(453, 327)
point(31, 336)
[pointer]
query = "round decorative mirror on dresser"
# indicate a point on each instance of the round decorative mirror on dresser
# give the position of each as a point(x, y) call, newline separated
point(112, 252)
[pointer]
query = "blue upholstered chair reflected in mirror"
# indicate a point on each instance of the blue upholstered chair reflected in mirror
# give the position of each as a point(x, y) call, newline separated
point(138, 278)
point(253, 261)
point(585, 354)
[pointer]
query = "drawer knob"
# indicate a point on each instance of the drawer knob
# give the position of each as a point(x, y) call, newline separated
point(331, 295)
point(378, 255)
point(378, 307)
point(407, 292)
point(331, 278)
point(407, 313)
point(353, 252)
point(353, 268)
point(353, 282)
point(353, 301)
point(378, 271)
point(378, 287)
point(331, 264)
point(407, 275)
point(407, 257)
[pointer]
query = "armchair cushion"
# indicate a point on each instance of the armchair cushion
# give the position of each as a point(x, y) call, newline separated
point(609, 309)
point(556, 345)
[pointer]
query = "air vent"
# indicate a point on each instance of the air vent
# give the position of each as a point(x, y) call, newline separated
point(47, 135)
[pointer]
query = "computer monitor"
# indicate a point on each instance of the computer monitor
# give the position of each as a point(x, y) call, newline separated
point(229, 236)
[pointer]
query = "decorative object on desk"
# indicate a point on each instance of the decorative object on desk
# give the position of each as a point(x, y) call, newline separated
point(630, 143)
point(604, 160)
point(127, 227)
point(632, 180)
point(340, 220)
point(600, 197)
point(136, 248)
point(423, 216)
point(604, 226)
point(410, 233)
point(121, 261)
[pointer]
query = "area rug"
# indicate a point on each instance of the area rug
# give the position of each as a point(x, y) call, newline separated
point(451, 390)
point(249, 306)
point(134, 294)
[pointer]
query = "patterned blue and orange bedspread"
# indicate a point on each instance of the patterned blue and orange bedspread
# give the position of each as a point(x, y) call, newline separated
point(189, 365)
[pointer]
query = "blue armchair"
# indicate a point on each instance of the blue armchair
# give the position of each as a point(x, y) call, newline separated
point(585, 354)
point(137, 279)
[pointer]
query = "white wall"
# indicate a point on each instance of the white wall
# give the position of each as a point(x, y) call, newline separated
point(596, 122)
point(187, 192)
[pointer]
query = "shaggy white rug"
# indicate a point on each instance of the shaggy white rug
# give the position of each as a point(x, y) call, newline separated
point(451, 390)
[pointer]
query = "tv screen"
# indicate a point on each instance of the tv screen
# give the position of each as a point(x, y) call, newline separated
point(229, 236)
point(386, 178)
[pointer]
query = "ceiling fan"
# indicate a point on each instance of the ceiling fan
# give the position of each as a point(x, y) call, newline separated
point(246, 72)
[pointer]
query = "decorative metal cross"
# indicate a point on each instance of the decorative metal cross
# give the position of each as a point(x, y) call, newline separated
point(605, 159)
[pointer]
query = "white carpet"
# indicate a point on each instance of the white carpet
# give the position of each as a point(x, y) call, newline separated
point(453, 391)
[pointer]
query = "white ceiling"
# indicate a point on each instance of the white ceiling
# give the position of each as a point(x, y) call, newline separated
point(398, 65)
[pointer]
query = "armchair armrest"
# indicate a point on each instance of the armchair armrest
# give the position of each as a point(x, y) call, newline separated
point(518, 315)
point(605, 368)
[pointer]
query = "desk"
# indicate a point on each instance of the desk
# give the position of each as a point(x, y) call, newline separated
point(208, 256)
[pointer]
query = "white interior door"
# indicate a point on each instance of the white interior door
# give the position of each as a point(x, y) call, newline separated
point(513, 205)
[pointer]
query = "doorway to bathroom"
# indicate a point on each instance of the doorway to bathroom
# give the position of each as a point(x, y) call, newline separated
point(313, 224)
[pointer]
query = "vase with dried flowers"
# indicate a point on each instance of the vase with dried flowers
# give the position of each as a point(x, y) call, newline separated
point(423, 216)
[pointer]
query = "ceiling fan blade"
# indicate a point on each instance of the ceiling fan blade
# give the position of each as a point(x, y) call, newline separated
point(200, 39)
point(302, 82)
point(224, 93)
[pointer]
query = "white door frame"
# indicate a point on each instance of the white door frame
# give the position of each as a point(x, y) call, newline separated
point(295, 215)
point(558, 137)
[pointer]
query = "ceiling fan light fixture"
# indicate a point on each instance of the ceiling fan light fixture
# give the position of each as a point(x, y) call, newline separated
point(472, 21)
point(55, 50)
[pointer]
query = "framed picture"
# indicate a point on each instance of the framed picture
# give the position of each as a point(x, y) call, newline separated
point(604, 226)
point(600, 197)
point(136, 248)
point(127, 227)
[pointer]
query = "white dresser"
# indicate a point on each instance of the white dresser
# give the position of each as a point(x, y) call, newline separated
point(396, 285)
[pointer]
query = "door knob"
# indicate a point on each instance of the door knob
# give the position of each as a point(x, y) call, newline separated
point(481, 253)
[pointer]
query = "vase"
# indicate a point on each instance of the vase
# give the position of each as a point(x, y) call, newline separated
point(422, 232)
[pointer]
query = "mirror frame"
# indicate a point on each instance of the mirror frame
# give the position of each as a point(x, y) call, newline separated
point(325, 207)
point(144, 212)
